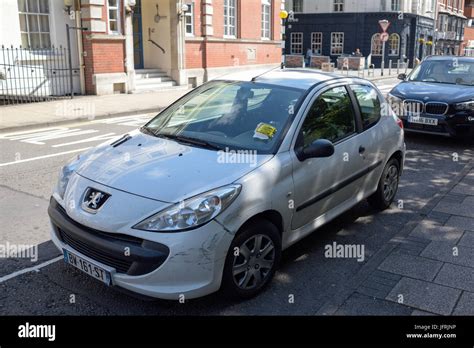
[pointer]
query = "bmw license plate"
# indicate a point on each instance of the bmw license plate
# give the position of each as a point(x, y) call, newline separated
point(87, 267)
point(423, 120)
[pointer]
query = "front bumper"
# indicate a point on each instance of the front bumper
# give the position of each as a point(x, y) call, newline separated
point(173, 264)
point(459, 125)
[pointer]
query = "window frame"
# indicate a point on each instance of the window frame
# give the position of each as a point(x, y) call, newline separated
point(358, 109)
point(309, 105)
point(396, 5)
point(300, 6)
point(319, 43)
point(227, 26)
point(37, 16)
point(390, 45)
point(266, 4)
point(292, 44)
point(372, 41)
point(338, 6)
point(337, 44)
point(189, 14)
point(117, 9)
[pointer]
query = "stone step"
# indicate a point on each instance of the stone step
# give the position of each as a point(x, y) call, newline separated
point(158, 88)
point(142, 76)
point(155, 85)
point(152, 80)
point(149, 71)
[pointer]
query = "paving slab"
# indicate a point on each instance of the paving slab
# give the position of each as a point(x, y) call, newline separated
point(359, 304)
point(464, 187)
point(464, 223)
point(425, 296)
point(433, 230)
point(467, 239)
point(461, 209)
point(456, 276)
point(465, 305)
point(411, 266)
point(447, 252)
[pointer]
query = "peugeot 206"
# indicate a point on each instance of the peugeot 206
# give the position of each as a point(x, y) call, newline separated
point(208, 194)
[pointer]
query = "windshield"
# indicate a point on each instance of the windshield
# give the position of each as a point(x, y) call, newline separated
point(452, 71)
point(230, 115)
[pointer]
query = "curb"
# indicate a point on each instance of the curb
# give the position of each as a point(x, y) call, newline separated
point(81, 119)
point(330, 307)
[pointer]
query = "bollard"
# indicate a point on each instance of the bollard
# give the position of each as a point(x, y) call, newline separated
point(406, 66)
point(390, 67)
point(398, 67)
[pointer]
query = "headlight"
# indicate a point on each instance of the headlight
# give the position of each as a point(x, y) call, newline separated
point(65, 174)
point(192, 212)
point(466, 106)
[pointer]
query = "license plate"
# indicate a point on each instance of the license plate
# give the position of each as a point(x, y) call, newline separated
point(87, 267)
point(423, 120)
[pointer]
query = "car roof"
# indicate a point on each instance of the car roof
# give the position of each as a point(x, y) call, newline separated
point(461, 58)
point(302, 79)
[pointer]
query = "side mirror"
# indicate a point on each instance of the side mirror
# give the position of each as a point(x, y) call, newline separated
point(318, 149)
point(402, 77)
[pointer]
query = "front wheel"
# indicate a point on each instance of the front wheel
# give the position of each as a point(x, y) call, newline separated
point(252, 260)
point(387, 187)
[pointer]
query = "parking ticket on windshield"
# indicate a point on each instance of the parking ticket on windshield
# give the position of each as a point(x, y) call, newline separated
point(264, 131)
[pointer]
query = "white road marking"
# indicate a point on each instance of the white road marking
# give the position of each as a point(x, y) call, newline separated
point(29, 269)
point(132, 121)
point(42, 157)
point(102, 137)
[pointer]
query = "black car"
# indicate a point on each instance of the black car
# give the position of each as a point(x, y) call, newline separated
point(437, 97)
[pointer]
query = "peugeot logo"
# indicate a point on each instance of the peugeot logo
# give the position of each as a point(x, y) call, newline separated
point(93, 200)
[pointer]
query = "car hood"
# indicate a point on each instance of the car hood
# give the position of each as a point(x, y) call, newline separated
point(433, 91)
point(161, 169)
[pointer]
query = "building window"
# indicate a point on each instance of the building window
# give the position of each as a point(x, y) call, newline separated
point(338, 5)
point(296, 44)
point(376, 48)
point(34, 23)
point(266, 10)
point(394, 45)
point(189, 20)
point(297, 5)
point(230, 18)
point(337, 44)
point(396, 5)
point(113, 11)
point(317, 43)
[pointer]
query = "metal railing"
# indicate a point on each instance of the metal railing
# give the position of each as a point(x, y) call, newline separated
point(33, 75)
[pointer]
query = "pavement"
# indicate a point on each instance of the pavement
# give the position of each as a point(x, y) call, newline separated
point(98, 107)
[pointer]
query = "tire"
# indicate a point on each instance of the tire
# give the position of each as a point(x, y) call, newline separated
point(253, 270)
point(387, 187)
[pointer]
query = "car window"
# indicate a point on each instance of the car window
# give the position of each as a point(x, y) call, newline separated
point(451, 71)
point(236, 115)
point(369, 104)
point(330, 117)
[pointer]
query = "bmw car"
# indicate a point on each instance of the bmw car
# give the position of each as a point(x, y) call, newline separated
point(437, 97)
point(208, 194)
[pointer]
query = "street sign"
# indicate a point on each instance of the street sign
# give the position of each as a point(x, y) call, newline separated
point(384, 37)
point(384, 24)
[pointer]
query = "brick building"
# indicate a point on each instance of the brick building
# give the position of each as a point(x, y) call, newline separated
point(128, 46)
point(450, 27)
point(468, 47)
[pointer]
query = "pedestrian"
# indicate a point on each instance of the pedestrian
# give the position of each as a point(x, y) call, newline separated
point(357, 53)
point(309, 54)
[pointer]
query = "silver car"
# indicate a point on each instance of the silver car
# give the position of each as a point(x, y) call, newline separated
point(208, 194)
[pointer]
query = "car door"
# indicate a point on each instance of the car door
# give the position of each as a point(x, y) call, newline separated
point(322, 184)
point(368, 103)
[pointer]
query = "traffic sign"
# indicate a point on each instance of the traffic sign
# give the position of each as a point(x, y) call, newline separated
point(384, 24)
point(384, 37)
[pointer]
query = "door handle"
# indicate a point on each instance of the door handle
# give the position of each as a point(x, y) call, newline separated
point(361, 150)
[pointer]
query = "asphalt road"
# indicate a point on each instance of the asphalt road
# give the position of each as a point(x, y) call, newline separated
point(30, 160)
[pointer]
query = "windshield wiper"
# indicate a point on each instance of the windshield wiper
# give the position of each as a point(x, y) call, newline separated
point(148, 130)
point(190, 141)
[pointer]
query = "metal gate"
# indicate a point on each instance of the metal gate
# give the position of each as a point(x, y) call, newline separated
point(34, 75)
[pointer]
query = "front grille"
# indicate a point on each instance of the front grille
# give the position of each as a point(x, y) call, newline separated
point(120, 265)
point(436, 108)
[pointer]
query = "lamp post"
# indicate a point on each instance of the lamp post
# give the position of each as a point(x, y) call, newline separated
point(283, 16)
point(435, 29)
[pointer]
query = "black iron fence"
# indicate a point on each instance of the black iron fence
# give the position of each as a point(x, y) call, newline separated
point(33, 75)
